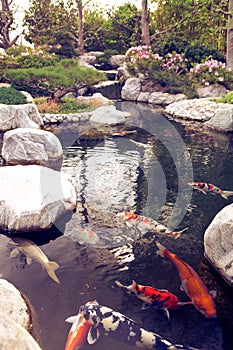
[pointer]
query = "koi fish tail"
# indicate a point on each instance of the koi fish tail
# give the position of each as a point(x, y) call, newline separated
point(162, 250)
point(178, 233)
point(226, 194)
point(51, 267)
point(182, 347)
point(119, 284)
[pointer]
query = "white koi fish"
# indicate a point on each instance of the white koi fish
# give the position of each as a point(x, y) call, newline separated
point(144, 224)
point(34, 253)
point(103, 320)
point(209, 188)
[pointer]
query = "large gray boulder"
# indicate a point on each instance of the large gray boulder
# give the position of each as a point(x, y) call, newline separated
point(163, 98)
point(19, 116)
point(218, 243)
point(223, 118)
point(32, 146)
point(198, 109)
point(211, 91)
point(14, 337)
point(34, 197)
point(117, 60)
point(108, 116)
point(13, 304)
point(131, 89)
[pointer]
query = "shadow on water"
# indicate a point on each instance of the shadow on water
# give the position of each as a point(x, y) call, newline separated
point(145, 171)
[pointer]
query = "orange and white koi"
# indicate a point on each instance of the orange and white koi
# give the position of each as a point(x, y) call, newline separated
point(124, 132)
point(159, 298)
point(145, 224)
point(191, 284)
point(85, 235)
point(209, 188)
point(104, 320)
point(78, 332)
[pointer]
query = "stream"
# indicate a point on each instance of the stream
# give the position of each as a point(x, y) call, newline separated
point(144, 171)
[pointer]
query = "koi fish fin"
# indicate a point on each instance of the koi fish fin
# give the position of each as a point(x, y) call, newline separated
point(93, 335)
point(28, 260)
point(161, 249)
point(71, 319)
point(167, 314)
point(145, 306)
point(226, 194)
point(183, 303)
point(119, 284)
point(51, 267)
point(128, 224)
point(213, 293)
point(178, 233)
point(200, 190)
point(14, 252)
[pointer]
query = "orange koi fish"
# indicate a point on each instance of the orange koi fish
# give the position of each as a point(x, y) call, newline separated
point(145, 224)
point(79, 331)
point(209, 188)
point(159, 298)
point(191, 284)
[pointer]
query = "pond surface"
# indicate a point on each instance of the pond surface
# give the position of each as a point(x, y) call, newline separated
point(145, 171)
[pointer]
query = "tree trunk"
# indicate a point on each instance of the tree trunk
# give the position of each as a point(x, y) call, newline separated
point(80, 27)
point(145, 22)
point(6, 21)
point(230, 37)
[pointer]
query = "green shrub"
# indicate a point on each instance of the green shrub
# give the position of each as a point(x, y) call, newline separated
point(104, 59)
point(168, 72)
point(228, 98)
point(65, 76)
point(11, 96)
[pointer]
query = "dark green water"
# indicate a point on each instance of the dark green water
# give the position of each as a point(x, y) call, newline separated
point(161, 157)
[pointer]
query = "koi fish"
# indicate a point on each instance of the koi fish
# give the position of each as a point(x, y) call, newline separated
point(209, 188)
point(78, 332)
point(87, 236)
point(191, 284)
point(159, 298)
point(33, 252)
point(124, 132)
point(145, 224)
point(104, 320)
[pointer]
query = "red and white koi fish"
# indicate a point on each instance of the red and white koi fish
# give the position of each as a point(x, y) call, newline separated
point(85, 235)
point(159, 298)
point(144, 224)
point(78, 332)
point(104, 320)
point(191, 284)
point(209, 188)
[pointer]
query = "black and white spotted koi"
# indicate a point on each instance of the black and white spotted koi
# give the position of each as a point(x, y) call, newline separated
point(104, 320)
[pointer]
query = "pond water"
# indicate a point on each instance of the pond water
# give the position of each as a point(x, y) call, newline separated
point(145, 171)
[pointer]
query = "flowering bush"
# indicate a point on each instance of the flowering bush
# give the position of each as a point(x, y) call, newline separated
point(211, 72)
point(141, 59)
point(168, 72)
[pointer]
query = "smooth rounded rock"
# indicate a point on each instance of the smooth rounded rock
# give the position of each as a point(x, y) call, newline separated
point(13, 304)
